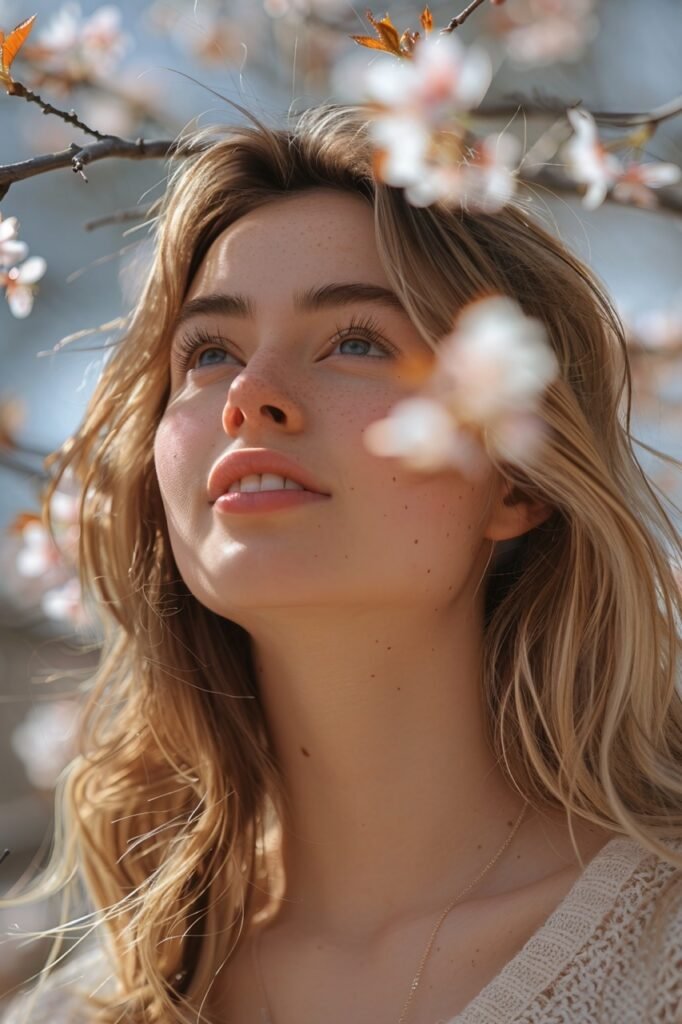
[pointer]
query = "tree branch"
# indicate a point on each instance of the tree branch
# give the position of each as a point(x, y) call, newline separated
point(18, 89)
point(668, 199)
point(77, 157)
point(557, 108)
point(459, 19)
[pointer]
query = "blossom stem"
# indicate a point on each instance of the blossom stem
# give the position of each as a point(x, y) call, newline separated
point(459, 19)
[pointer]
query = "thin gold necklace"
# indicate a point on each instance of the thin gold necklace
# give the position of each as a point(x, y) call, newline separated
point(266, 1012)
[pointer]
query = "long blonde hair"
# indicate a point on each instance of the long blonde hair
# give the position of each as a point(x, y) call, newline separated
point(165, 810)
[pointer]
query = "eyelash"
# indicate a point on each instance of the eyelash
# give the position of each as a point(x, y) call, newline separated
point(364, 328)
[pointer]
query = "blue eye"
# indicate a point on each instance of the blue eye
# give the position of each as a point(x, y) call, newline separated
point(206, 351)
point(356, 340)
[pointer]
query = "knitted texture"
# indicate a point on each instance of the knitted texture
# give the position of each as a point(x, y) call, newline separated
point(591, 962)
point(588, 964)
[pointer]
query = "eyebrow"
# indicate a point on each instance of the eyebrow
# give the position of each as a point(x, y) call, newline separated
point(323, 297)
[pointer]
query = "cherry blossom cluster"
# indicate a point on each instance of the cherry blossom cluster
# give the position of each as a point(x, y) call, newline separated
point(421, 105)
point(80, 47)
point(419, 127)
point(590, 163)
point(480, 397)
point(18, 275)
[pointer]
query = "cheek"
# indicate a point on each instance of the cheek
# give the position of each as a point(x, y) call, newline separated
point(182, 459)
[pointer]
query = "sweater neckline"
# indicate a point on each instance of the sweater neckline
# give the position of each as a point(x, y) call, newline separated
point(556, 942)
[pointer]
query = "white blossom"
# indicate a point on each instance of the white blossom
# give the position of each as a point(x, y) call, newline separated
point(422, 432)
point(488, 377)
point(587, 161)
point(11, 249)
point(540, 32)
point(19, 284)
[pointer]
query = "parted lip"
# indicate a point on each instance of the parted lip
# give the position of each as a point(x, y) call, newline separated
point(250, 461)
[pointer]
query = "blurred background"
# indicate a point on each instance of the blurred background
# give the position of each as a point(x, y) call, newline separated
point(152, 69)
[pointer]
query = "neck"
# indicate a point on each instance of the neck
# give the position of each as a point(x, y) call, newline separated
point(379, 725)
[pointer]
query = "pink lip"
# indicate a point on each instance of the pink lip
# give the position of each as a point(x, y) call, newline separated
point(256, 461)
point(249, 502)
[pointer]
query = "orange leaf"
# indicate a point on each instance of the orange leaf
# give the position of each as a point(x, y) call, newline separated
point(387, 32)
point(426, 19)
point(371, 43)
point(10, 46)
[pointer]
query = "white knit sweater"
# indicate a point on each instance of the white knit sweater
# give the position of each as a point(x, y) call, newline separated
point(585, 965)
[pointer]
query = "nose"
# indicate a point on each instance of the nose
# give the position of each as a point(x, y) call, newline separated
point(257, 397)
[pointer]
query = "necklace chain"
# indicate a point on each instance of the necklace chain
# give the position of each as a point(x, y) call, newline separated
point(266, 1013)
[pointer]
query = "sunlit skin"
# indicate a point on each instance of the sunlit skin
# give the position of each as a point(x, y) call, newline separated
point(365, 611)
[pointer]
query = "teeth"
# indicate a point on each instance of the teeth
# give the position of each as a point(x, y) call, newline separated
point(266, 482)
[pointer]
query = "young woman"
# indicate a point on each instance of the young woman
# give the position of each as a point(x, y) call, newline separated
point(397, 746)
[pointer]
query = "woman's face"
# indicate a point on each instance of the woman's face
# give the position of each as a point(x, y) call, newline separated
point(306, 380)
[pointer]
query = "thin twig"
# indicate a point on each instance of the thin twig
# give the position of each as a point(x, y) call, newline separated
point(120, 217)
point(18, 89)
point(459, 19)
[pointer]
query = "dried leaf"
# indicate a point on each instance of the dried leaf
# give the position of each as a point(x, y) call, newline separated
point(426, 19)
point(387, 33)
point(371, 43)
point(10, 46)
point(388, 39)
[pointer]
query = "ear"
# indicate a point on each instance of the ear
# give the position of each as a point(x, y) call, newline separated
point(513, 513)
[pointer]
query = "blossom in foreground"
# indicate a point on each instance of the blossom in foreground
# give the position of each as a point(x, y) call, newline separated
point(539, 32)
point(441, 78)
point(11, 249)
point(485, 182)
point(489, 374)
point(636, 181)
point(19, 284)
point(590, 163)
point(416, 102)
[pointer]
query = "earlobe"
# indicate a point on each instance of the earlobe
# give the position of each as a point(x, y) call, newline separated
point(515, 514)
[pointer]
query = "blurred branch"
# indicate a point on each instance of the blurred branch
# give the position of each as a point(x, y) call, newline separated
point(136, 213)
point(669, 198)
point(557, 108)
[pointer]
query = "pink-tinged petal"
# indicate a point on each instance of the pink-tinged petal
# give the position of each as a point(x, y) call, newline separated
point(390, 82)
point(497, 360)
point(9, 228)
point(475, 79)
point(517, 438)
point(595, 195)
point(654, 175)
point(404, 142)
point(32, 270)
point(583, 124)
point(12, 251)
point(19, 299)
point(418, 430)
